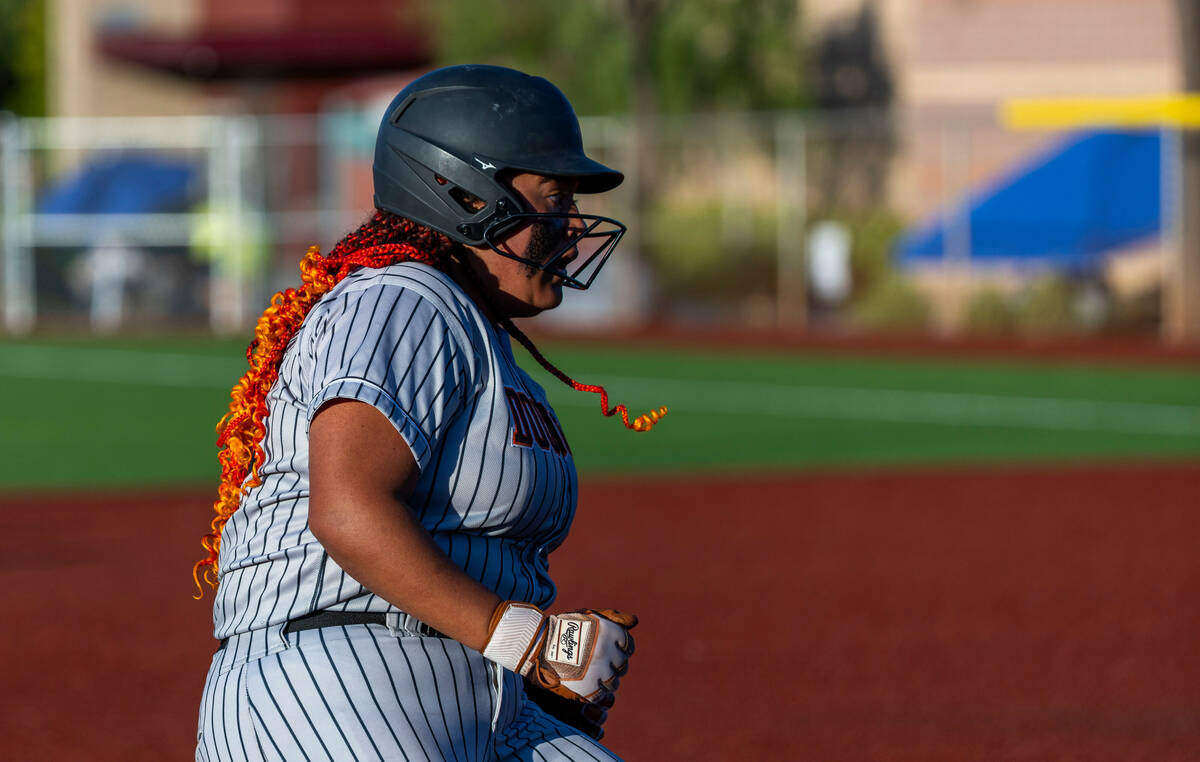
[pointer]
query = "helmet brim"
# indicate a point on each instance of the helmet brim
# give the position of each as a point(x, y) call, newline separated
point(593, 176)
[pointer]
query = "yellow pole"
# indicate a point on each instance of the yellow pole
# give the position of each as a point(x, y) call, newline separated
point(1179, 111)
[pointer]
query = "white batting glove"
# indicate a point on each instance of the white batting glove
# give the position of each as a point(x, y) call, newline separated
point(579, 655)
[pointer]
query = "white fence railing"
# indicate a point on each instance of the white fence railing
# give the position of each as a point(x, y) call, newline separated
point(726, 234)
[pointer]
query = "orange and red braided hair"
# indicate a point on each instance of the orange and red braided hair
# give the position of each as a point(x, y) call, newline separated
point(385, 239)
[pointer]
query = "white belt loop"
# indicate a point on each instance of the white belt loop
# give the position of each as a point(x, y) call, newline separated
point(395, 624)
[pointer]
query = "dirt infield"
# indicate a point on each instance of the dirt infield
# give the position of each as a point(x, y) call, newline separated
point(998, 613)
point(1133, 349)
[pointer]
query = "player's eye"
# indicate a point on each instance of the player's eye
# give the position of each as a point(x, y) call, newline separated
point(559, 201)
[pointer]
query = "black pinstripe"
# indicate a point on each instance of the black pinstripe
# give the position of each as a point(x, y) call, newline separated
point(317, 699)
point(318, 690)
point(270, 695)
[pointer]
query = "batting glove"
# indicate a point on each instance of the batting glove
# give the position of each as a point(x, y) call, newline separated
point(579, 655)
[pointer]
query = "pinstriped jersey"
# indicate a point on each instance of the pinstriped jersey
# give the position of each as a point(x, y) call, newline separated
point(497, 486)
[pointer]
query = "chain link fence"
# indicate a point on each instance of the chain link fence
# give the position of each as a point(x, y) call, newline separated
point(776, 220)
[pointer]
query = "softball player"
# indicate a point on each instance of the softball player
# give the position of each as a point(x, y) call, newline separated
point(393, 483)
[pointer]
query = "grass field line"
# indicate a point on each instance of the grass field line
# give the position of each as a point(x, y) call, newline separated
point(119, 366)
point(859, 403)
point(690, 395)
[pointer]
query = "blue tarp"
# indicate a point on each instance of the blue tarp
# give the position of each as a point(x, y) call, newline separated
point(122, 184)
point(1095, 192)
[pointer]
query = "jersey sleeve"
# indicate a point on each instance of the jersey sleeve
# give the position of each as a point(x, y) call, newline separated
point(392, 348)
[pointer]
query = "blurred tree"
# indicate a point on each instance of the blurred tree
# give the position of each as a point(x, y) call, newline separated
point(894, 305)
point(1048, 307)
point(853, 83)
point(608, 55)
point(738, 54)
point(990, 312)
point(580, 46)
point(642, 57)
point(23, 57)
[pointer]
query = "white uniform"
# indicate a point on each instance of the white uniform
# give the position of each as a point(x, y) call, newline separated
point(497, 492)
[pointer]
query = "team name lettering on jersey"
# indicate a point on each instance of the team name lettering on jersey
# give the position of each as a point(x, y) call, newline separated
point(533, 424)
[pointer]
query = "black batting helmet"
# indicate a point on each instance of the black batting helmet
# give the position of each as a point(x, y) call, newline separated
point(449, 141)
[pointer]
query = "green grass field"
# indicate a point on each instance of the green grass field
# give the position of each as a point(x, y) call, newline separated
point(142, 413)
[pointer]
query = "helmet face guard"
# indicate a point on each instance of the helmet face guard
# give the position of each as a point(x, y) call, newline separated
point(446, 143)
point(578, 244)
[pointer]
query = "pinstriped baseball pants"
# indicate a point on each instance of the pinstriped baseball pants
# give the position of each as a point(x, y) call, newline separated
point(361, 693)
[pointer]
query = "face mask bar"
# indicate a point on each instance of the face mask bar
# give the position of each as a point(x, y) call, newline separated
point(594, 242)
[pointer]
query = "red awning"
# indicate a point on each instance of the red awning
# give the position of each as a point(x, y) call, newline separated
point(270, 54)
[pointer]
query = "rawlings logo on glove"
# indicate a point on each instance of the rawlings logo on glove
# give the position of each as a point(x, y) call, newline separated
point(579, 655)
point(563, 646)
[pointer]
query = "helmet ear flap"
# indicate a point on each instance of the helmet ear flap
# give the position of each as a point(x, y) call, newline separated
point(419, 186)
point(417, 179)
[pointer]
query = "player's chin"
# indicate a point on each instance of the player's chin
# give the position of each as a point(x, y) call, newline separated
point(552, 295)
point(545, 292)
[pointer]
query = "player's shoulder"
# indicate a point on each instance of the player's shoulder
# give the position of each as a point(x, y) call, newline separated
point(426, 281)
point(436, 293)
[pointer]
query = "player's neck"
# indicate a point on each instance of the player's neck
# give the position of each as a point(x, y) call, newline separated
point(469, 280)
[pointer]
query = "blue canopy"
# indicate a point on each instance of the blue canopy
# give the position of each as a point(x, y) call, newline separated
point(1095, 192)
point(122, 184)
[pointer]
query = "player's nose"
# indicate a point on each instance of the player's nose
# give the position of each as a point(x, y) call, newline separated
point(576, 227)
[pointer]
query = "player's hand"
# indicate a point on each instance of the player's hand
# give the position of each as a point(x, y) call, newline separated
point(583, 654)
point(580, 655)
